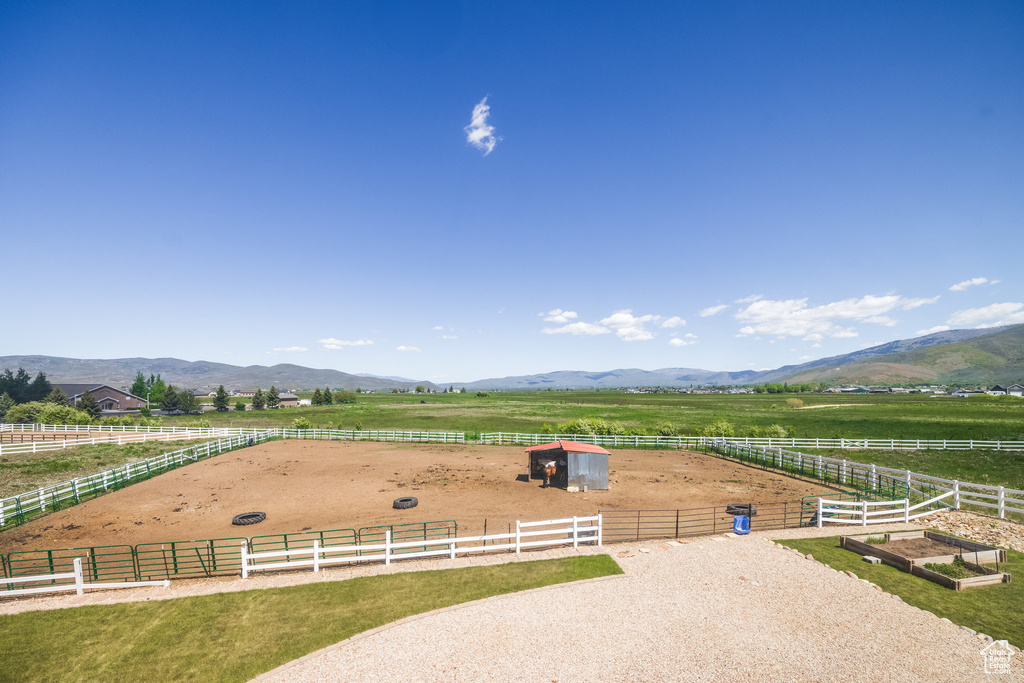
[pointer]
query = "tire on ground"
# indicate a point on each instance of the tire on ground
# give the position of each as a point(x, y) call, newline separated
point(746, 509)
point(247, 518)
point(405, 503)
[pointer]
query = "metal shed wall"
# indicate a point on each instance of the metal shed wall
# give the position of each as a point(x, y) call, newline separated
point(588, 469)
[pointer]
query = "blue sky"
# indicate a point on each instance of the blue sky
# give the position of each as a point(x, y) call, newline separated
point(724, 185)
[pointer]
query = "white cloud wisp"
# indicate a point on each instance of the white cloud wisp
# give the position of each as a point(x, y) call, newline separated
point(332, 344)
point(479, 133)
point(794, 318)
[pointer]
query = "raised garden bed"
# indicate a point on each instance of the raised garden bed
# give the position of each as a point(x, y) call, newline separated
point(910, 551)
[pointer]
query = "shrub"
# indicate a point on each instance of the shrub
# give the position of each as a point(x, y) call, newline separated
point(240, 406)
point(145, 412)
point(24, 413)
point(721, 428)
point(591, 426)
point(666, 429)
point(771, 432)
point(55, 414)
point(794, 403)
point(201, 422)
point(482, 394)
point(301, 423)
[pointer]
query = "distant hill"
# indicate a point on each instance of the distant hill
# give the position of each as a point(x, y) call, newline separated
point(120, 372)
point(955, 356)
point(994, 357)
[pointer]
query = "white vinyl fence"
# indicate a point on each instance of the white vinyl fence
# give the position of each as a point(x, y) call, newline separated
point(572, 530)
point(623, 441)
point(866, 512)
point(79, 586)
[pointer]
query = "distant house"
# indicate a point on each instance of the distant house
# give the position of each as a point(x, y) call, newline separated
point(967, 393)
point(288, 400)
point(1015, 390)
point(107, 396)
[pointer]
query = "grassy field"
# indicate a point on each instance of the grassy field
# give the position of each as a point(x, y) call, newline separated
point(996, 610)
point(21, 472)
point(236, 636)
point(917, 416)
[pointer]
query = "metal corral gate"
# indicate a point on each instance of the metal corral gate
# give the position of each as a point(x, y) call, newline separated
point(191, 559)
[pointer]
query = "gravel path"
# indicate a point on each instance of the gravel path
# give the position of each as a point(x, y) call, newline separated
point(710, 609)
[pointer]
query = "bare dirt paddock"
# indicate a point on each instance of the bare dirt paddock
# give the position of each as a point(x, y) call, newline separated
point(303, 485)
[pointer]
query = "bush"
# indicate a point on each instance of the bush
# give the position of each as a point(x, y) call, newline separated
point(482, 394)
point(794, 403)
point(240, 406)
point(25, 413)
point(591, 426)
point(769, 432)
point(145, 412)
point(721, 428)
point(666, 429)
point(301, 423)
point(201, 422)
point(55, 414)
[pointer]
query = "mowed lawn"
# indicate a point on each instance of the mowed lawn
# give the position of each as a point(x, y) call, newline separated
point(236, 636)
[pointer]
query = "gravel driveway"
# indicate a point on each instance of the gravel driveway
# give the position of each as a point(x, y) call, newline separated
point(719, 608)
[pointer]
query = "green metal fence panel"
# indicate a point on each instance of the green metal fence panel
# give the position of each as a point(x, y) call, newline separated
point(99, 563)
point(300, 541)
point(414, 531)
point(188, 559)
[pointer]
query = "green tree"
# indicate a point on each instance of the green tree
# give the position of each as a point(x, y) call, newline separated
point(273, 398)
point(188, 403)
point(318, 398)
point(6, 403)
point(420, 388)
point(87, 403)
point(342, 396)
point(24, 413)
point(139, 386)
point(301, 423)
point(169, 401)
point(220, 399)
point(328, 397)
point(57, 397)
point(40, 388)
point(156, 391)
point(16, 385)
point(240, 406)
point(259, 401)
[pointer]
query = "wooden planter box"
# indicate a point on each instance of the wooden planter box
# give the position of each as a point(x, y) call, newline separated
point(976, 551)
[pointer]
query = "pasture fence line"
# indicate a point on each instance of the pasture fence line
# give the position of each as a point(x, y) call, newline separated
point(567, 531)
point(118, 439)
point(639, 441)
point(1001, 499)
point(874, 512)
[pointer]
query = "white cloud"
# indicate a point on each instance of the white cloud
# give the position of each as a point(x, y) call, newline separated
point(479, 133)
point(994, 315)
point(332, 344)
point(749, 299)
point(288, 349)
point(674, 321)
point(559, 316)
point(629, 327)
point(794, 318)
point(577, 329)
point(932, 330)
point(806, 358)
point(438, 327)
point(409, 348)
point(675, 341)
point(973, 282)
point(448, 336)
point(713, 310)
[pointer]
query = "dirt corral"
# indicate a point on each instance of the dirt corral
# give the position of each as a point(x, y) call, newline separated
point(303, 485)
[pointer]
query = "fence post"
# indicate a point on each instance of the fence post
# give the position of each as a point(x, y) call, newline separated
point(1002, 503)
point(575, 533)
point(451, 547)
point(821, 509)
point(864, 512)
point(956, 495)
point(600, 528)
point(874, 477)
point(316, 555)
point(518, 539)
point(245, 564)
point(906, 510)
point(387, 547)
point(79, 581)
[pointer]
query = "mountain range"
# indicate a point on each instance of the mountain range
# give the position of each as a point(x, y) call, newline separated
point(970, 357)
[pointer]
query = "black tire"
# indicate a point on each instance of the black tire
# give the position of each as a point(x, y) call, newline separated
point(247, 518)
point(745, 509)
point(405, 503)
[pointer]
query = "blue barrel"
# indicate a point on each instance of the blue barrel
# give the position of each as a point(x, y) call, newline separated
point(741, 524)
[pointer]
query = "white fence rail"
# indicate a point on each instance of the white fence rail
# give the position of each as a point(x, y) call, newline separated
point(854, 474)
point(623, 441)
point(866, 512)
point(572, 530)
point(79, 586)
point(110, 438)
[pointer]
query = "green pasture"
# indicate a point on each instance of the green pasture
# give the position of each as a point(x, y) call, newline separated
point(21, 472)
point(896, 416)
point(236, 636)
point(997, 610)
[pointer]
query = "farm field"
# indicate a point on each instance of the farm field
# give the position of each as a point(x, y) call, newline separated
point(895, 416)
point(319, 485)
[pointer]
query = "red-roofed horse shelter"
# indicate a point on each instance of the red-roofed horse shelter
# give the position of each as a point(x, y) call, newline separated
point(582, 465)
